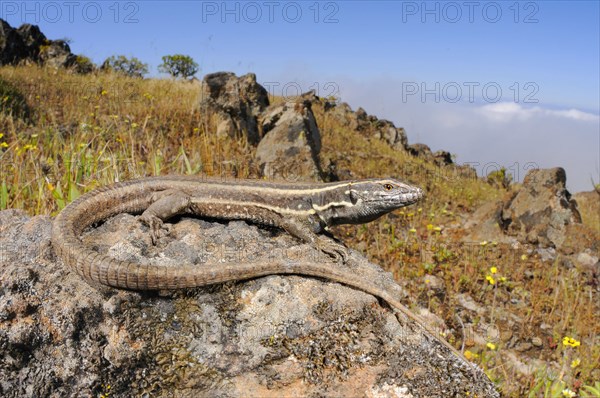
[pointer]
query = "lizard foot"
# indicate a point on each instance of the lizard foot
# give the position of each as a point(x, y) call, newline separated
point(157, 228)
point(334, 250)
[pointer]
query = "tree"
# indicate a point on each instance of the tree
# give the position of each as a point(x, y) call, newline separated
point(178, 65)
point(128, 66)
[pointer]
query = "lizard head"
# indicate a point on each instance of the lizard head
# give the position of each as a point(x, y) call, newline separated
point(376, 197)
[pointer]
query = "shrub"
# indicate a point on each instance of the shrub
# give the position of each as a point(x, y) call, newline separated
point(128, 66)
point(178, 65)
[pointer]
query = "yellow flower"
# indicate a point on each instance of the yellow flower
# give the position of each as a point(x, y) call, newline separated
point(419, 210)
point(410, 214)
point(493, 270)
point(3, 145)
point(104, 92)
point(570, 341)
point(1, 135)
point(575, 363)
point(490, 279)
point(429, 227)
point(437, 229)
point(484, 243)
point(502, 279)
point(471, 355)
point(491, 346)
point(134, 125)
point(523, 257)
point(50, 186)
point(568, 393)
point(412, 231)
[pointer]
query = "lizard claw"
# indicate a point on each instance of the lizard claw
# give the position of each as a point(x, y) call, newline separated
point(156, 226)
point(336, 251)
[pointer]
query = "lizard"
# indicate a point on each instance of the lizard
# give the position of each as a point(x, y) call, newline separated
point(304, 210)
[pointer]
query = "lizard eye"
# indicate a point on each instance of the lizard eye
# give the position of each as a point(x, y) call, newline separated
point(388, 187)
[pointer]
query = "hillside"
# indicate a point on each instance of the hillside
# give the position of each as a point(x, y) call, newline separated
point(507, 288)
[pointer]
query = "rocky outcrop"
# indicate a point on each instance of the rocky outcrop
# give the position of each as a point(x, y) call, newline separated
point(441, 158)
point(541, 212)
point(291, 144)
point(270, 336)
point(236, 102)
point(29, 44)
point(368, 124)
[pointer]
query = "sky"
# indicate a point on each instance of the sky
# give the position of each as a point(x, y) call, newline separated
point(512, 84)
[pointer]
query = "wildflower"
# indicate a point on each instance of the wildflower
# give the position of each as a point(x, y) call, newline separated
point(523, 257)
point(568, 393)
point(471, 355)
point(412, 231)
point(32, 136)
point(196, 129)
point(104, 92)
point(437, 229)
point(134, 125)
point(3, 145)
point(491, 346)
point(493, 270)
point(484, 243)
point(490, 279)
point(410, 214)
point(502, 279)
point(419, 210)
point(570, 341)
point(575, 363)
point(1, 135)
point(429, 227)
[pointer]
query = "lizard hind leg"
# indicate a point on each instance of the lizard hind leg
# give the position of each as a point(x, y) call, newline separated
point(165, 204)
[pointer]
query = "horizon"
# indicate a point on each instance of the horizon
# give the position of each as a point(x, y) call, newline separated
point(514, 85)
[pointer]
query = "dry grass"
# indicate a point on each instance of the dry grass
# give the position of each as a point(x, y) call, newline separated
point(86, 131)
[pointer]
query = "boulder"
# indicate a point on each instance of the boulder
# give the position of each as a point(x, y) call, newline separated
point(540, 212)
point(236, 102)
point(269, 336)
point(541, 209)
point(29, 44)
point(291, 144)
point(12, 47)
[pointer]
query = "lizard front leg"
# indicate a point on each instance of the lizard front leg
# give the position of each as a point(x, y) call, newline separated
point(165, 204)
point(300, 229)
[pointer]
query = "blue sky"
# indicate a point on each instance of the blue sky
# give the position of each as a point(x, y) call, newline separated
point(507, 83)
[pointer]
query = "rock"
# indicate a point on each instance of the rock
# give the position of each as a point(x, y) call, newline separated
point(274, 335)
point(29, 44)
point(12, 48)
point(586, 259)
point(387, 132)
point(236, 102)
point(484, 225)
point(441, 158)
point(541, 210)
point(420, 150)
point(291, 144)
point(368, 125)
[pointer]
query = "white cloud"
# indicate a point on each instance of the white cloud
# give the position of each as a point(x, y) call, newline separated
point(508, 111)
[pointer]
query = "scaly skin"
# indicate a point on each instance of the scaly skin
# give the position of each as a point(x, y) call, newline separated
point(159, 198)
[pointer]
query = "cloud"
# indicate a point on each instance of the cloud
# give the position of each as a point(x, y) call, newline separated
point(508, 111)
